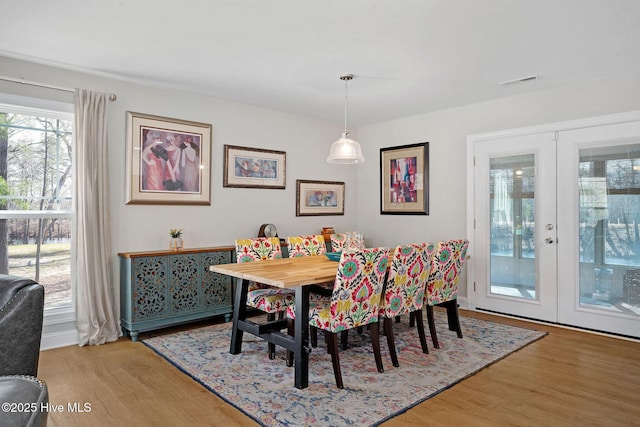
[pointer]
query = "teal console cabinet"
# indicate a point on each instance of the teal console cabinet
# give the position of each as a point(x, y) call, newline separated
point(166, 288)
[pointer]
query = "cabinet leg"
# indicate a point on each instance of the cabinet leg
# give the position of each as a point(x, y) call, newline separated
point(134, 336)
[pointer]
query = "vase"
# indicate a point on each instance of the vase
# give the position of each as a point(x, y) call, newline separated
point(176, 244)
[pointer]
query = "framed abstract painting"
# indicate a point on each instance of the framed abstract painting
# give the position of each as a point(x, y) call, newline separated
point(404, 180)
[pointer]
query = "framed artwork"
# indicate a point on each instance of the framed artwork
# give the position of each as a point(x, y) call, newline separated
point(404, 180)
point(169, 161)
point(314, 198)
point(254, 167)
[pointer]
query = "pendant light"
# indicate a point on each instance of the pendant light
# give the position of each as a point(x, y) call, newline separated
point(345, 150)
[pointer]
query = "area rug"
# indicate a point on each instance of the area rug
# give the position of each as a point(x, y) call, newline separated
point(264, 389)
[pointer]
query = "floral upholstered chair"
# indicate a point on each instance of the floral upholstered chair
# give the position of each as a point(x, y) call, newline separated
point(266, 298)
point(442, 286)
point(354, 302)
point(306, 245)
point(404, 291)
point(339, 240)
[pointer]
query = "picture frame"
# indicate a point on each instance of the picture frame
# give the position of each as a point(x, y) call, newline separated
point(404, 180)
point(168, 161)
point(246, 167)
point(317, 198)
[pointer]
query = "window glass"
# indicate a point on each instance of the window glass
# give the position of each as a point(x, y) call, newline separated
point(36, 198)
point(610, 205)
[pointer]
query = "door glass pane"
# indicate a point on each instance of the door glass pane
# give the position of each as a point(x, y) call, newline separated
point(512, 207)
point(609, 187)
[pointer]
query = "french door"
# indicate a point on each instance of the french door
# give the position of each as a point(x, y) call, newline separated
point(515, 233)
point(599, 220)
point(557, 225)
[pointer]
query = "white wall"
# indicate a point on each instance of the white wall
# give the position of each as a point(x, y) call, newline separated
point(447, 130)
point(233, 212)
point(239, 212)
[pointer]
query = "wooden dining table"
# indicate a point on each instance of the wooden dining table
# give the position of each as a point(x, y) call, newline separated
point(289, 273)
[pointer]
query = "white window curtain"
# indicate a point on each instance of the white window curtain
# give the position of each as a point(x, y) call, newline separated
point(95, 316)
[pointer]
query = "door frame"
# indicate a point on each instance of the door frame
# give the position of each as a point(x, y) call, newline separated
point(472, 139)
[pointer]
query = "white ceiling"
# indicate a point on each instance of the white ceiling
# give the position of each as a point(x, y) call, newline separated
point(409, 56)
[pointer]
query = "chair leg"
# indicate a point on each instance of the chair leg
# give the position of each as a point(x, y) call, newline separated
point(432, 326)
point(271, 346)
point(290, 332)
point(388, 331)
point(452, 317)
point(344, 339)
point(375, 340)
point(423, 338)
point(313, 332)
point(332, 345)
point(412, 320)
point(398, 319)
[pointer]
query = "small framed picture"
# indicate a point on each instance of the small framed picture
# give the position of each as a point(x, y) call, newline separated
point(254, 167)
point(169, 161)
point(319, 198)
point(404, 180)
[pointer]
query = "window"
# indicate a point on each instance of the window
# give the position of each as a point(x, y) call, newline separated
point(36, 181)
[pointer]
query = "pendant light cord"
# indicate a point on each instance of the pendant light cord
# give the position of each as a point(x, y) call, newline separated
point(345, 107)
point(346, 78)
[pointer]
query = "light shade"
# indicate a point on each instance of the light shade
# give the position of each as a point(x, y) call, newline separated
point(345, 151)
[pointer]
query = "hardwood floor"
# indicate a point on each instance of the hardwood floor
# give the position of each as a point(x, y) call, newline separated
point(568, 378)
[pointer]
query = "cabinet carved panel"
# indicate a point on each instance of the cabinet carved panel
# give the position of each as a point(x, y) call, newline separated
point(216, 288)
point(185, 289)
point(150, 288)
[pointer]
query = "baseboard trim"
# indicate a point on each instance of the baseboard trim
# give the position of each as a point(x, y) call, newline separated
point(462, 302)
point(58, 339)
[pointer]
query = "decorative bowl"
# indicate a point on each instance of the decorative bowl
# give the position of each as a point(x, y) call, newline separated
point(333, 256)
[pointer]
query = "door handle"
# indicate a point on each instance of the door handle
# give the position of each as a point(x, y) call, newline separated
point(548, 240)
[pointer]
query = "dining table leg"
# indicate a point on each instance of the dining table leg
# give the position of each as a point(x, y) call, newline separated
point(239, 314)
point(301, 334)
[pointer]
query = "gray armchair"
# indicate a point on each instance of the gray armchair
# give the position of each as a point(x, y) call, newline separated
point(21, 311)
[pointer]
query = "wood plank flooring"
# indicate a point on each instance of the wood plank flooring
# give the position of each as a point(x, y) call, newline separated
point(568, 378)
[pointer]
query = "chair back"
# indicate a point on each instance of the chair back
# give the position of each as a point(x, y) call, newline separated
point(407, 281)
point(258, 249)
point(306, 245)
point(355, 299)
point(339, 240)
point(442, 285)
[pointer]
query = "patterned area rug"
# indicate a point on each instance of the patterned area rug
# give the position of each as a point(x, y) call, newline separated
point(263, 389)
